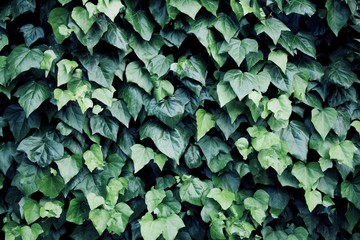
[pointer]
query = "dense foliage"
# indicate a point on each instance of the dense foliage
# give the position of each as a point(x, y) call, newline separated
point(186, 119)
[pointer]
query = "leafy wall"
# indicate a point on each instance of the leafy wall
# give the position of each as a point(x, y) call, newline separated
point(186, 119)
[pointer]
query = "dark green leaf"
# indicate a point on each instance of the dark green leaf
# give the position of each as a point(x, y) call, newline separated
point(105, 126)
point(31, 33)
point(140, 22)
point(192, 191)
point(58, 17)
point(337, 15)
point(300, 7)
point(51, 185)
point(340, 74)
point(296, 137)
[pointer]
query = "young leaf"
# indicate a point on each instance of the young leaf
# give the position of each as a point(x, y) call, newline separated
point(141, 156)
point(99, 218)
point(308, 175)
point(69, 166)
point(31, 211)
point(257, 204)
point(226, 26)
point(188, 7)
point(192, 191)
point(204, 122)
point(301, 7)
point(137, 74)
point(150, 229)
point(343, 152)
point(110, 8)
point(279, 58)
point(272, 27)
point(223, 197)
point(32, 232)
point(312, 198)
point(83, 18)
point(323, 120)
point(153, 198)
point(94, 201)
point(94, 158)
point(281, 107)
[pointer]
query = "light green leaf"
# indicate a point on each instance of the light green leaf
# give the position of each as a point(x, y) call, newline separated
point(32, 232)
point(99, 218)
point(274, 157)
point(120, 218)
point(308, 175)
point(94, 201)
point(162, 89)
point(312, 198)
point(31, 211)
point(150, 229)
point(356, 125)
point(211, 5)
point(22, 59)
point(94, 158)
point(65, 71)
point(160, 65)
point(242, 145)
point(171, 142)
point(204, 122)
point(141, 23)
point(83, 18)
point(172, 225)
point(110, 8)
point(337, 15)
point(343, 152)
point(153, 198)
point(58, 17)
point(105, 126)
point(281, 107)
point(192, 191)
point(63, 2)
point(141, 156)
point(192, 68)
point(272, 27)
point(188, 7)
point(115, 187)
point(4, 41)
point(69, 166)
point(47, 62)
point(301, 7)
point(239, 49)
point(258, 204)
point(160, 160)
point(225, 93)
point(226, 26)
point(104, 95)
point(137, 74)
point(120, 111)
point(323, 120)
point(279, 58)
point(41, 150)
point(262, 139)
point(32, 95)
point(224, 197)
point(51, 185)
point(51, 208)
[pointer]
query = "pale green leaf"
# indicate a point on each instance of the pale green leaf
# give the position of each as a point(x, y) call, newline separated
point(69, 166)
point(279, 58)
point(110, 8)
point(188, 7)
point(224, 197)
point(137, 74)
point(51, 185)
point(312, 198)
point(323, 120)
point(141, 156)
point(343, 152)
point(272, 27)
point(308, 175)
point(141, 23)
point(94, 201)
point(94, 158)
point(83, 18)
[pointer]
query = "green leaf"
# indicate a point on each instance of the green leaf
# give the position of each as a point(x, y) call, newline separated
point(119, 110)
point(172, 225)
point(192, 68)
point(162, 89)
point(281, 107)
point(41, 150)
point(32, 232)
point(7, 153)
point(133, 98)
point(83, 18)
point(104, 95)
point(146, 50)
point(242, 145)
point(272, 27)
point(188, 7)
point(150, 229)
point(257, 204)
point(160, 160)
point(153, 198)
point(141, 23)
point(72, 116)
point(160, 65)
point(337, 15)
point(296, 136)
point(69, 166)
point(4, 40)
point(193, 157)
point(301, 7)
point(204, 122)
point(51, 185)
point(308, 175)
point(31, 33)
point(223, 197)
point(159, 11)
point(323, 120)
point(117, 37)
point(32, 95)
point(274, 157)
point(244, 83)
point(225, 93)
point(58, 17)
point(340, 74)
point(351, 191)
point(110, 8)
point(65, 71)
point(137, 74)
point(31, 211)
point(343, 152)
point(141, 156)
point(262, 139)
point(211, 5)
point(77, 211)
point(226, 26)
point(172, 143)
point(94, 158)
point(94, 201)
point(239, 49)
point(105, 126)
point(312, 198)
point(99, 218)
point(279, 58)
point(22, 59)
point(192, 191)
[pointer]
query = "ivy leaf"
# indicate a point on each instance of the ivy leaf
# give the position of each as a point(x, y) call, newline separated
point(137, 74)
point(153, 198)
point(83, 18)
point(31, 211)
point(340, 73)
point(105, 126)
point(308, 175)
point(77, 211)
point(7, 153)
point(94, 158)
point(225, 93)
point(104, 95)
point(323, 120)
point(94, 201)
point(31, 33)
point(22, 6)
point(337, 15)
point(119, 110)
point(173, 224)
point(257, 204)
point(312, 198)
point(72, 116)
point(343, 152)
point(296, 137)
point(110, 8)
point(281, 107)
point(226, 26)
point(262, 139)
point(204, 122)
point(141, 156)
point(41, 150)
point(4, 41)
point(301, 7)
point(51, 185)
point(117, 37)
point(351, 191)
point(32, 95)
point(160, 65)
point(223, 197)
point(188, 7)
point(170, 142)
point(162, 89)
point(193, 157)
point(58, 17)
point(99, 218)
point(192, 191)
point(272, 27)
point(239, 49)
point(22, 59)
point(211, 5)
point(192, 68)
point(279, 58)
point(133, 98)
point(140, 22)
point(69, 166)
point(159, 11)
point(150, 229)
point(31, 232)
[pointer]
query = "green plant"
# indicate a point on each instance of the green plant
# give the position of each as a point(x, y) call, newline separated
point(186, 119)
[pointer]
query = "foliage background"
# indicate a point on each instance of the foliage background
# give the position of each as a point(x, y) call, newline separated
point(184, 119)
